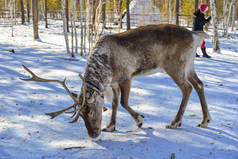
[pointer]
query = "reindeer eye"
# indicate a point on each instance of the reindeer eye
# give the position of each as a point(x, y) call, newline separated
point(92, 98)
point(91, 114)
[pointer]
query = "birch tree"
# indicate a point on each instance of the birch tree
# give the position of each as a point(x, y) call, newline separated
point(228, 16)
point(120, 10)
point(81, 24)
point(67, 14)
point(22, 12)
point(85, 28)
point(14, 11)
point(6, 3)
point(177, 12)
point(128, 21)
point(73, 29)
point(224, 10)
point(12, 7)
point(35, 18)
point(88, 23)
point(98, 17)
point(216, 46)
point(94, 6)
point(196, 5)
point(233, 14)
point(104, 14)
point(28, 11)
point(207, 2)
point(170, 11)
point(45, 13)
point(65, 27)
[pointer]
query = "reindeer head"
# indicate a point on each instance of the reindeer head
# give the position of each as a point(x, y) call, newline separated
point(88, 104)
point(91, 111)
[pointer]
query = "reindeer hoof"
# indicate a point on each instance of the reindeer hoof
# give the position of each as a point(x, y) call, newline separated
point(174, 125)
point(109, 128)
point(139, 121)
point(204, 123)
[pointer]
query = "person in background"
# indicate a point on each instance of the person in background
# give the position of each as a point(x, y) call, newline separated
point(199, 21)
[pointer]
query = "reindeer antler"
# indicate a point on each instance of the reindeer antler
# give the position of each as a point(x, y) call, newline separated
point(76, 101)
point(83, 102)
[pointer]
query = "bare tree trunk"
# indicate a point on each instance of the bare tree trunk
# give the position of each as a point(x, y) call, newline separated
point(73, 29)
point(104, 13)
point(12, 14)
point(120, 10)
point(85, 33)
point(35, 18)
point(65, 27)
point(94, 6)
point(22, 13)
point(170, 11)
point(208, 7)
point(28, 11)
point(128, 19)
point(177, 12)
point(236, 28)
point(14, 11)
point(46, 12)
point(6, 4)
point(206, 27)
point(81, 24)
point(233, 14)
point(67, 14)
point(196, 4)
point(224, 8)
point(226, 18)
point(98, 16)
point(85, 27)
point(89, 23)
point(115, 6)
point(224, 13)
point(216, 45)
point(72, 32)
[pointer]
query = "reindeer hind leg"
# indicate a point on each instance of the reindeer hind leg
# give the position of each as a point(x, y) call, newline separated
point(125, 91)
point(198, 85)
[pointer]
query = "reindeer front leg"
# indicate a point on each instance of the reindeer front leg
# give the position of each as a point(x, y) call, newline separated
point(125, 92)
point(186, 89)
point(112, 125)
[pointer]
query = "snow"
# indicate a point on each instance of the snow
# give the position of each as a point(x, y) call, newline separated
point(26, 132)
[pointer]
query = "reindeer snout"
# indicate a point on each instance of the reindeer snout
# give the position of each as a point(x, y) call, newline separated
point(94, 133)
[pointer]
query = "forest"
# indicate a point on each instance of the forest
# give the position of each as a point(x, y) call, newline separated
point(96, 15)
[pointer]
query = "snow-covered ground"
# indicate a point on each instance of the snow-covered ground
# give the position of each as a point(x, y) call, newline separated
point(27, 133)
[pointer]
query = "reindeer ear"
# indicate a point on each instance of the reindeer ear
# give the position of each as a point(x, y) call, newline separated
point(92, 98)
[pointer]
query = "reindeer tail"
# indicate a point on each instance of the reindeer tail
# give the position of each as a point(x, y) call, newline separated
point(199, 36)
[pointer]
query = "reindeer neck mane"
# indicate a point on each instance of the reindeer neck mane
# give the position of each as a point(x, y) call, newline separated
point(98, 73)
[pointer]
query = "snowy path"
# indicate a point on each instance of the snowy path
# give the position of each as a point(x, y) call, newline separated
point(25, 132)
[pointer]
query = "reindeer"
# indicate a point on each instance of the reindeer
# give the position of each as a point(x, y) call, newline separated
point(117, 59)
